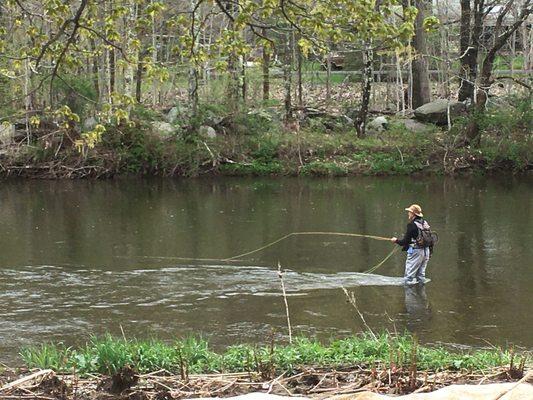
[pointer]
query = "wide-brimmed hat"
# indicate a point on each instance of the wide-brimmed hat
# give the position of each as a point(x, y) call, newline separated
point(415, 209)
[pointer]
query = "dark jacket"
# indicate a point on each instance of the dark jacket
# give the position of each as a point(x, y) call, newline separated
point(410, 234)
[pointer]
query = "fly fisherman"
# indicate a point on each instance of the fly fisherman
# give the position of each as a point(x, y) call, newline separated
point(417, 242)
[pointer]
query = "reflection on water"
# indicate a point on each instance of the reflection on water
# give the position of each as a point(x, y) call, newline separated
point(87, 257)
point(417, 305)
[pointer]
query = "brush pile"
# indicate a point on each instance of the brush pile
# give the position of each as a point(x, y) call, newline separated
point(127, 384)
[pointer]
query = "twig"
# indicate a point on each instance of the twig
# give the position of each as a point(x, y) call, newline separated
point(280, 275)
point(399, 151)
point(353, 302)
point(29, 378)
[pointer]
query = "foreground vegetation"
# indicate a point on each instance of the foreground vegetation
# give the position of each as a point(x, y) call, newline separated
point(108, 355)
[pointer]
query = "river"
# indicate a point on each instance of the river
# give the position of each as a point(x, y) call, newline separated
point(88, 257)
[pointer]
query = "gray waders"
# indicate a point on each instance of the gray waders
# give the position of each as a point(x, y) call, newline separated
point(415, 265)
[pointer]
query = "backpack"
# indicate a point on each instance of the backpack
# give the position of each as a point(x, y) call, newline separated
point(426, 238)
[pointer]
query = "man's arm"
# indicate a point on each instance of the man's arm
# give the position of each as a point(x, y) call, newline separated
point(411, 233)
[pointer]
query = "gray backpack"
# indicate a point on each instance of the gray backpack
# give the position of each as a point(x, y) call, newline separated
point(426, 237)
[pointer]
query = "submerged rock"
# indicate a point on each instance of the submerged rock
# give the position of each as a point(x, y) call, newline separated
point(437, 111)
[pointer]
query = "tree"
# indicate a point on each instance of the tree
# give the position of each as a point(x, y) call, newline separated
point(419, 65)
point(501, 33)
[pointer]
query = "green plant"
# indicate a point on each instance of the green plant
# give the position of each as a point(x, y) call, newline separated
point(47, 355)
point(108, 354)
point(77, 92)
point(328, 168)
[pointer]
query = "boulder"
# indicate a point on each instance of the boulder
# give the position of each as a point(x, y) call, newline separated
point(415, 126)
point(7, 133)
point(378, 124)
point(172, 115)
point(89, 124)
point(436, 112)
point(163, 129)
point(207, 131)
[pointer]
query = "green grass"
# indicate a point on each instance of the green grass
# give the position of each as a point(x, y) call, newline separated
point(107, 354)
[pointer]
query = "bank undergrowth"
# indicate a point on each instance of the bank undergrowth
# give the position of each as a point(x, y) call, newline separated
point(257, 143)
point(108, 354)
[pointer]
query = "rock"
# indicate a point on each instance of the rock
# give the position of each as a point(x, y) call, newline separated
point(163, 129)
point(7, 133)
point(348, 120)
point(436, 112)
point(414, 125)
point(378, 124)
point(89, 124)
point(207, 131)
point(172, 115)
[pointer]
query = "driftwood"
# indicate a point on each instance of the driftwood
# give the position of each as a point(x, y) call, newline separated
point(26, 379)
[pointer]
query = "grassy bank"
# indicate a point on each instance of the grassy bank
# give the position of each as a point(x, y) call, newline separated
point(108, 354)
point(257, 143)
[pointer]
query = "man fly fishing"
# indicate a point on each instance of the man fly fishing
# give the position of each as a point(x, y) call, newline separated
point(418, 241)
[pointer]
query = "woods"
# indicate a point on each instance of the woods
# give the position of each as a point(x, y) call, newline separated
point(75, 72)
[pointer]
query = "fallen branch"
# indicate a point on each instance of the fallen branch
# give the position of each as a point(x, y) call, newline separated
point(20, 382)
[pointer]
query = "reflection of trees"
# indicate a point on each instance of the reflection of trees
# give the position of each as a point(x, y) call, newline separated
point(472, 270)
point(362, 226)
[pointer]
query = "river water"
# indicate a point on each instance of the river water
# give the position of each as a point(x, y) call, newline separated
point(84, 257)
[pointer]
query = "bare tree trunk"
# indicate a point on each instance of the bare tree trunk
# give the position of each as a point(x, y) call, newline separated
point(287, 78)
point(266, 70)
point(368, 75)
point(328, 78)
point(466, 87)
point(193, 68)
point(300, 83)
point(243, 81)
point(94, 69)
point(138, 80)
point(421, 84)
point(233, 62)
point(154, 59)
point(469, 46)
point(485, 76)
point(112, 76)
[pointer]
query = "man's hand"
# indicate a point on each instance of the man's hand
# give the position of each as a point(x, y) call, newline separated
point(393, 239)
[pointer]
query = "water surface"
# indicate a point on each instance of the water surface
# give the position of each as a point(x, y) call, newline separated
point(88, 257)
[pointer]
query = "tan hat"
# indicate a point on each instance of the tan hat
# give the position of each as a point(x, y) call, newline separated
point(415, 209)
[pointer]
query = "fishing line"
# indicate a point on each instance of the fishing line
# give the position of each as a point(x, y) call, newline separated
point(304, 233)
point(238, 257)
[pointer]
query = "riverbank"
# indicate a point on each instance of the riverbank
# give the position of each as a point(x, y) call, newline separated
point(187, 368)
point(258, 143)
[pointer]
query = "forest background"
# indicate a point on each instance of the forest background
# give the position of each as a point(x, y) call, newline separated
point(98, 88)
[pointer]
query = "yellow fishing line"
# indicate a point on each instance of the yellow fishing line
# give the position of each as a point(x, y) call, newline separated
point(238, 257)
point(304, 233)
